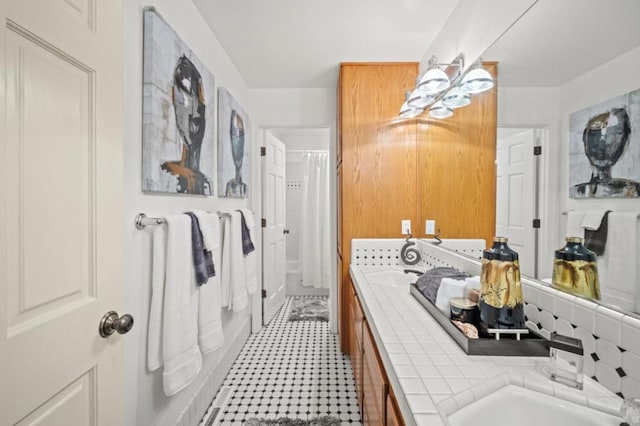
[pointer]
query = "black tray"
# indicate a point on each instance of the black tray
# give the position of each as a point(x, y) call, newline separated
point(529, 344)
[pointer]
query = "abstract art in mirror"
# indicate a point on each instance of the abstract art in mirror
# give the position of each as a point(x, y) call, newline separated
point(604, 149)
point(177, 123)
point(233, 147)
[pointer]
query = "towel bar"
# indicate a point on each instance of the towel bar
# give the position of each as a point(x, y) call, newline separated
point(567, 212)
point(142, 220)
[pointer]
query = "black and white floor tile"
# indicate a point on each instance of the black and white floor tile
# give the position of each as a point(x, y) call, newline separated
point(291, 369)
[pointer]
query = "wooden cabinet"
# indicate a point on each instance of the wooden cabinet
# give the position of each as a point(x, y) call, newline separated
point(374, 383)
point(390, 169)
point(375, 397)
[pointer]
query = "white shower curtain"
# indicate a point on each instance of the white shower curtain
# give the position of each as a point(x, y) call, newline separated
point(314, 225)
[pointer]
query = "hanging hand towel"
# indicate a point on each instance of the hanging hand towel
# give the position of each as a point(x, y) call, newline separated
point(154, 336)
point(202, 259)
point(592, 219)
point(210, 333)
point(574, 224)
point(618, 268)
point(250, 257)
point(239, 297)
point(180, 351)
point(225, 264)
point(596, 239)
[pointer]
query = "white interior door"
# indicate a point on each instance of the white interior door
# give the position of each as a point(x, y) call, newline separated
point(60, 211)
point(515, 196)
point(273, 238)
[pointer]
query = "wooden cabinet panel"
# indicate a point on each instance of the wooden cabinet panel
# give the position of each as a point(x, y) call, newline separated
point(374, 382)
point(356, 345)
point(394, 418)
point(378, 156)
point(457, 172)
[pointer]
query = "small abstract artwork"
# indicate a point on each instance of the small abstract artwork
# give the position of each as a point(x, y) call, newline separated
point(233, 147)
point(177, 123)
point(604, 149)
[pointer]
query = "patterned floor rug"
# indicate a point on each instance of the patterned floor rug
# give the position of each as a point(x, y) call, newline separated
point(284, 421)
point(309, 309)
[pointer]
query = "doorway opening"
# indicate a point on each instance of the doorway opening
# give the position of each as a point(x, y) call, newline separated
point(309, 214)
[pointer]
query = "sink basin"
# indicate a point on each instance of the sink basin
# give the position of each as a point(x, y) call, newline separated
point(390, 277)
point(524, 407)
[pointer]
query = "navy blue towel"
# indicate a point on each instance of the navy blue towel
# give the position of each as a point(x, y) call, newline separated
point(247, 244)
point(597, 240)
point(202, 259)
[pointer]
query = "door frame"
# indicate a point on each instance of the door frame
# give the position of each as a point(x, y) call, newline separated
point(256, 311)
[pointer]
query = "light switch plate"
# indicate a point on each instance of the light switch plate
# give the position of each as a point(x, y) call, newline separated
point(430, 227)
point(406, 226)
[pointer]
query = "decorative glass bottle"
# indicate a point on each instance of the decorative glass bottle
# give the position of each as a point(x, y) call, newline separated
point(500, 300)
point(575, 270)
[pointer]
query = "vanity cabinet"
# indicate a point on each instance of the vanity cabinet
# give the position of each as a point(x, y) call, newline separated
point(390, 169)
point(375, 396)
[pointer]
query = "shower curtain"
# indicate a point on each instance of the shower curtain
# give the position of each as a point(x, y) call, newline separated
point(314, 225)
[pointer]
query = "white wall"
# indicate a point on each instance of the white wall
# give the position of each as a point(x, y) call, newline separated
point(146, 402)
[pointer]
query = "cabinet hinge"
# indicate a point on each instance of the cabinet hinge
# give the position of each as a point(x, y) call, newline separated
point(537, 150)
point(536, 223)
point(263, 223)
point(263, 151)
point(264, 294)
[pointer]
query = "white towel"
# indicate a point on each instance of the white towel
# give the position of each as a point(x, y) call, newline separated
point(225, 264)
point(154, 336)
point(180, 352)
point(448, 288)
point(239, 296)
point(574, 224)
point(210, 333)
point(618, 266)
point(592, 219)
point(250, 259)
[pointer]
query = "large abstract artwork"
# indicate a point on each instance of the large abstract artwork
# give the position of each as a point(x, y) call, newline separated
point(233, 147)
point(177, 124)
point(604, 149)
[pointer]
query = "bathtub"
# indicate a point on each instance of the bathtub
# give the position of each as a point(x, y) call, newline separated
point(294, 282)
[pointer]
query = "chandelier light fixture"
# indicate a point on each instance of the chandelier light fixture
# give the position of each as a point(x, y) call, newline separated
point(431, 94)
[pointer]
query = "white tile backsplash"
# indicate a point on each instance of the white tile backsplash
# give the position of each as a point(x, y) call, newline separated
point(609, 325)
point(631, 334)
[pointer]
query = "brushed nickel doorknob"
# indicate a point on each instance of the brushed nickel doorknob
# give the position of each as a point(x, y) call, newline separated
point(111, 323)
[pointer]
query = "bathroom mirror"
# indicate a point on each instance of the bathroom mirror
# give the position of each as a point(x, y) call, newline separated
point(548, 62)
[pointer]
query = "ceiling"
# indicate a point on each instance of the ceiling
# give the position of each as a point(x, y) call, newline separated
point(299, 44)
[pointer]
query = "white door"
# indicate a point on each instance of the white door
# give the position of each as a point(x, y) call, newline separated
point(60, 211)
point(515, 196)
point(273, 237)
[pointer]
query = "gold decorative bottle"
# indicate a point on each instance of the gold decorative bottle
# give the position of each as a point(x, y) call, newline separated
point(575, 270)
point(500, 300)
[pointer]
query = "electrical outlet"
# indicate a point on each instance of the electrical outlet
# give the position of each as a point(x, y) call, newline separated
point(430, 227)
point(406, 226)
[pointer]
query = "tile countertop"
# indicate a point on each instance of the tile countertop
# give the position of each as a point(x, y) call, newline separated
point(432, 376)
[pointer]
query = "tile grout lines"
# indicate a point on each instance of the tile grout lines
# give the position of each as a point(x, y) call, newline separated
point(291, 369)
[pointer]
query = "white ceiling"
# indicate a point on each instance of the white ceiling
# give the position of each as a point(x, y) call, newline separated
point(299, 44)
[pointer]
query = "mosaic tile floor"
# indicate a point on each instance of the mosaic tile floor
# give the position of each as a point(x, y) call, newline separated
point(291, 369)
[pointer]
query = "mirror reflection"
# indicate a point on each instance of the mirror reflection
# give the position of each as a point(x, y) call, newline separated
point(552, 63)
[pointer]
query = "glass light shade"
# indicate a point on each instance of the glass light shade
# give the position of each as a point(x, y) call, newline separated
point(408, 112)
point(440, 111)
point(456, 98)
point(434, 81)
point(420, 99)
point(477, 80)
